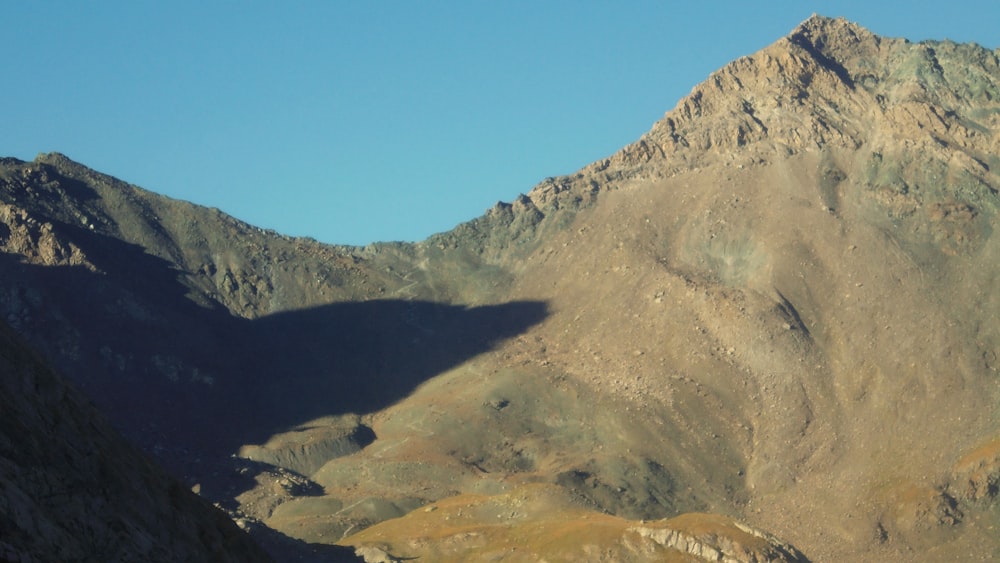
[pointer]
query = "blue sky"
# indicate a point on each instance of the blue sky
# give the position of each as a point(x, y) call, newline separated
point(352, 122)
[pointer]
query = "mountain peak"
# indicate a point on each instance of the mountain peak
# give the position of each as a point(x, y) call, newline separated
point(817, 23)
point(832, 40)
point(795, 93)
point(828, 82)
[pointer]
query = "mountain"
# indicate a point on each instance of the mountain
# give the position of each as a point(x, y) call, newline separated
point(774, 311)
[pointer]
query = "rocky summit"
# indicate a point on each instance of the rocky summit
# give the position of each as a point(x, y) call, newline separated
point(765, 331)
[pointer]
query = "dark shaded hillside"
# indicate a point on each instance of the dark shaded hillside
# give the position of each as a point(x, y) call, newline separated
point(71, 489)
point(170, 345)
point(167, 370)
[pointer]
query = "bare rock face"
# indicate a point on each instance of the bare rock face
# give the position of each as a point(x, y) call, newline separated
point(37, 241)
point(776, 307)
point(711, 537)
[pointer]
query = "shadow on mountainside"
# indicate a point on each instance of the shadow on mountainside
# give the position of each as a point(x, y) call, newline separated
point(180, 377)
point(361, 357)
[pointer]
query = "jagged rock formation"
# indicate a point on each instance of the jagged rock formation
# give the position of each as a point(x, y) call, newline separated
point(715, 538)
point(777, 306)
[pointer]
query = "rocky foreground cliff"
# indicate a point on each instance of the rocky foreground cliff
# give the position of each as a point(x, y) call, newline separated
point(774, 311)
point(71, 489)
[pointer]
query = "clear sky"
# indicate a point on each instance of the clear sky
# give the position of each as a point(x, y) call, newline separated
point(352, 121)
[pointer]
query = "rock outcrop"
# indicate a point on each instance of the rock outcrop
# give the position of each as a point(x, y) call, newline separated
point(710, 537)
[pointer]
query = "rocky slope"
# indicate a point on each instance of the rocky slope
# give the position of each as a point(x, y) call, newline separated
point(776, 308)
point(71, 489)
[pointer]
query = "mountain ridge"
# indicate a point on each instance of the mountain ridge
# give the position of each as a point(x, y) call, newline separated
point(788, 120)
